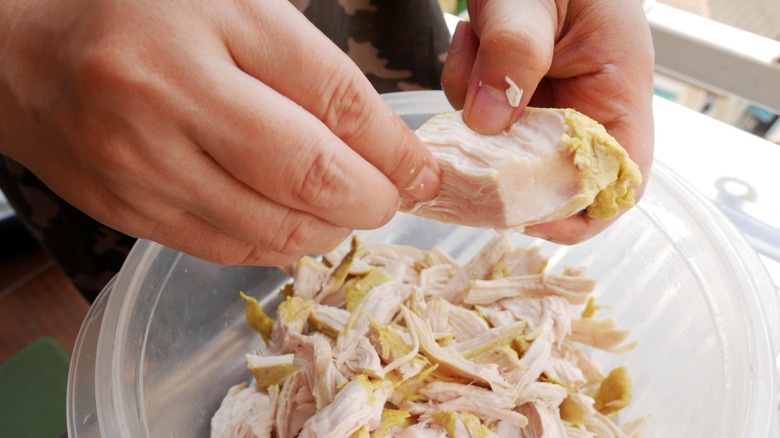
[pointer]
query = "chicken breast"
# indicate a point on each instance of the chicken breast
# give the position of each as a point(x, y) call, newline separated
point(549, 165)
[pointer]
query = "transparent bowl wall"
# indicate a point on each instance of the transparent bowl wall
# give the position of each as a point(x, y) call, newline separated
point(165, 340)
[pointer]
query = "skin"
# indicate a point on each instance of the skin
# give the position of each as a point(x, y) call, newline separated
point(233, 130)
point(592, 55)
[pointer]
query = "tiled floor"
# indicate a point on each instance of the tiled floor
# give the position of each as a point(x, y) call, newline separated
point(36, 299)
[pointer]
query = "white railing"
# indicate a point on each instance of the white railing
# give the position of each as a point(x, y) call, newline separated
point(716, 56)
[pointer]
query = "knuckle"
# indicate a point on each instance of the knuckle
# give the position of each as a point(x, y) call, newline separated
point(292, 237)
point(110, 104)
point(115, 155)
point(108, 70)
point(408, 161)
point(101, 66)
point(301, 235)
point(256, 256)
point(321, 184)
point(346, 111)
point(533, 51)
point(327, 188)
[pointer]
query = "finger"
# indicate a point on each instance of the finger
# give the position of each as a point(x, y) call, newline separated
point(194, 236)
point(238, 211)
point(290, 157)
point(275, 148)
point(156, 219)
point(142, 211)
point(460, 61)
point(613, 82)
point(177, 176)
point(185, 183)
point(569, 231)
point(516, 40)
point(314, 73)
point(630, 122)
point(190, 234)
point(603, 67)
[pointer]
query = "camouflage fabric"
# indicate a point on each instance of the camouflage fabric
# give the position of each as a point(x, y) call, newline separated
point(399, 45)
point(88, 252)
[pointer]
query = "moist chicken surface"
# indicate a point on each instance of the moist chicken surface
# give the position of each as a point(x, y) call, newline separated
point(399, 342)
point(550, 164)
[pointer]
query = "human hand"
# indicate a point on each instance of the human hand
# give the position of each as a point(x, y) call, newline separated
point(232, 130)
point(595, 56)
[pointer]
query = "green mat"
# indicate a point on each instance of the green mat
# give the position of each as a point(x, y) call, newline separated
point(33, 386)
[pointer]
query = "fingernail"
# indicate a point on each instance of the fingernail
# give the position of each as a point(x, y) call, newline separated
point(425, 186)
point(490, 111)
point(533, 232)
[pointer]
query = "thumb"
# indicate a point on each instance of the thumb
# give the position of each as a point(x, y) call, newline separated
point(516, 40)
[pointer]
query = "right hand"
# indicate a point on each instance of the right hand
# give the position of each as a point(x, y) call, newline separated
point(595, 56)
point(231, 130)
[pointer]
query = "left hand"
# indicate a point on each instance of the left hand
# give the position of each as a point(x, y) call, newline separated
point(595, 56)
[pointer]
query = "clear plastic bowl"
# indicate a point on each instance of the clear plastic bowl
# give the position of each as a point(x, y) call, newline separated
point(166, 338)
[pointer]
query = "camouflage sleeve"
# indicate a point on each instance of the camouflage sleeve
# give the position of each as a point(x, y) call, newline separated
point(399, 45)
point(88, 252)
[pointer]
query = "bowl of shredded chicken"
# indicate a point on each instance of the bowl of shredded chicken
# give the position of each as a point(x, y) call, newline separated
point(663, 325)
point(392, 340)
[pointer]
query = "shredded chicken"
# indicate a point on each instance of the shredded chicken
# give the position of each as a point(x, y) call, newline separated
point(246, 412)
point(391, 341)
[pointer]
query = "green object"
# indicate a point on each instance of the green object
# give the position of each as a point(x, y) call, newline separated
point(33, 386)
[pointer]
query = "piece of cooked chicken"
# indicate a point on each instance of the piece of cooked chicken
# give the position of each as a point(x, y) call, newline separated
point(550, 164)
point(246, 412)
